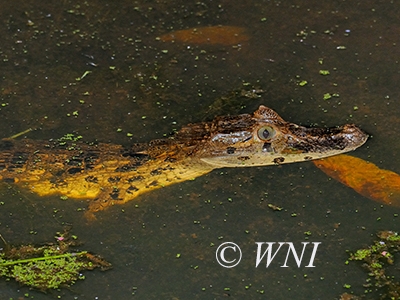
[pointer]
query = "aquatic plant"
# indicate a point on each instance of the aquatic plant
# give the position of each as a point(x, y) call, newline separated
point(50, 266)
point(376, 259)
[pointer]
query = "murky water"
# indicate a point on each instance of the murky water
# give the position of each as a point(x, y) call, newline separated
point(98, 69)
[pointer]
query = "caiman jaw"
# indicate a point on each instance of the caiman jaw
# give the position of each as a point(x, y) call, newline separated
point(268, 140)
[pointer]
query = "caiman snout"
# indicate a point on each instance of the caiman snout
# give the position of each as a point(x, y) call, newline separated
point(323, 140)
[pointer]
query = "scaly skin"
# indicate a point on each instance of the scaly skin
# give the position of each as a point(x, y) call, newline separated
point(112, 174)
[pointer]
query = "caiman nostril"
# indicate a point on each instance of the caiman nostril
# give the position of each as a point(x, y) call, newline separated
point(355, 136)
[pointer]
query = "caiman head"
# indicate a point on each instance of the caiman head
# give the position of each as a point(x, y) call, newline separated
point(264, 138)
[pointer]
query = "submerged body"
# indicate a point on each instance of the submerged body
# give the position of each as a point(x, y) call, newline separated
point(112, 174)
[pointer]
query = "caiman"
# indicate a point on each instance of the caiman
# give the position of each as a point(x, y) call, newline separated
point(108, 174)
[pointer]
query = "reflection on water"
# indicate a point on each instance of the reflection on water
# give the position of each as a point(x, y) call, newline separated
point(99, 69)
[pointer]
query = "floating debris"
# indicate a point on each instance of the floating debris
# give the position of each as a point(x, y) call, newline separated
point(364, 177)
point(234, 101)
point(215, 35)
point(50, 266)
point(274, 207)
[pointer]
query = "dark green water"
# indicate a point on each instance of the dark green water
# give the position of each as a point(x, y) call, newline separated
point(149, 88)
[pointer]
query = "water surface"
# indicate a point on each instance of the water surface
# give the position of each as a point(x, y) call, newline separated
point(139, 88)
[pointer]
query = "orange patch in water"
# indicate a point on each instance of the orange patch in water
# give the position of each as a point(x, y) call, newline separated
point(221, 35)
point(364, 177)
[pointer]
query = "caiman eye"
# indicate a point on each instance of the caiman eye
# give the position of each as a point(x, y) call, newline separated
point(266, 133)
